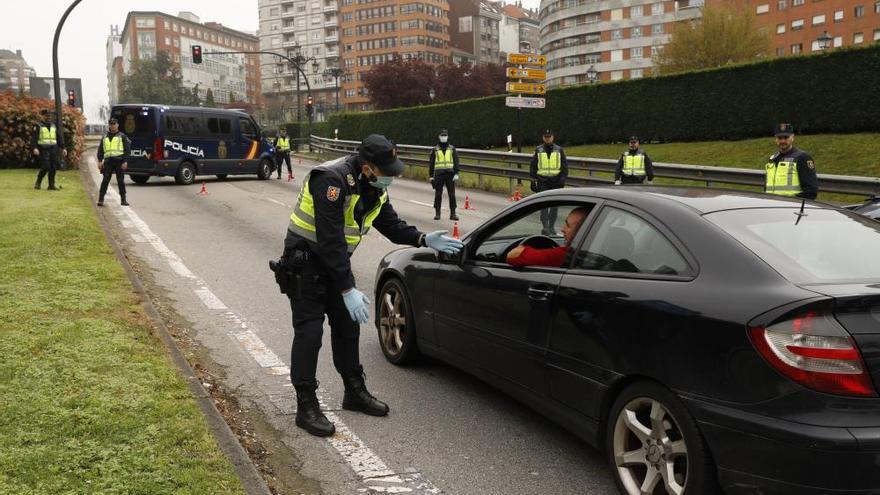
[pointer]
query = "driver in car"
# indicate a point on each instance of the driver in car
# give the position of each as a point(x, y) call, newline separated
point(553, 256)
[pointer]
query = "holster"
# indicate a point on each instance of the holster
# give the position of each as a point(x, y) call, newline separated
point(288, 271)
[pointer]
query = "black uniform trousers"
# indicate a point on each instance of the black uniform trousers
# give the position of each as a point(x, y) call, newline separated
point(632, 179)
point(548, 215)
point(283, 156)
point(442, 179)
point(48, 164)
point(112, 165)
point(318, 295)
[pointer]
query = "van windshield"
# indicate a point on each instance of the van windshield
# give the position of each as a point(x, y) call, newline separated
point(134, 121)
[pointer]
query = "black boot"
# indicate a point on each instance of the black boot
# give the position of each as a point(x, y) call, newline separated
point(357, 398)
point(437, 215)
point(453, 216)
point(308, 412)
point(124, 202)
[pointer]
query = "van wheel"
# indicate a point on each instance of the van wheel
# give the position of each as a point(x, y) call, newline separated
point(264, 171)
point(139, 179)
point(222, 176)
point(186, 174)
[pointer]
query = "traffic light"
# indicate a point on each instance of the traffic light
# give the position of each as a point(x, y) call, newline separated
point(71, 98)
point(310, 105)
point(310, 101)
point(197, 54)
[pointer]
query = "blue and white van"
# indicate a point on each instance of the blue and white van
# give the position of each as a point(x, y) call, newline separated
point(185, 142)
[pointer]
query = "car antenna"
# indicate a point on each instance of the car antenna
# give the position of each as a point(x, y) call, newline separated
point(801, 213)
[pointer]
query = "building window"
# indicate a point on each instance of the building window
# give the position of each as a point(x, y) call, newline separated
point(145, 22)
point(657, 29)
point(818, 20)
point(635, 32)
point(635, 52)
point(796, 3)
point(877, 7)
point(858, 38)
point(635, 11)
point(838, 16)
point(655, 50)
point(657, 8)
point(616, 75)
point(176, 43)
point(274, 12)
point(616, 55)
point(797, 25)
point(762, 9)
point(616, 14)
point(636, 73)
point(167, 25)
point(838, 41)
point(167, 41)
point(780, 29)
point(797, 48)
point(617, 34)
point(859, 11)
point(780, 52)
point(781, 5)
point(876, 34)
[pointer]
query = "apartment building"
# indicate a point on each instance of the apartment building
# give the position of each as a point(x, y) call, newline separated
point(520, 30)
point(16, 73)
point(475, 27)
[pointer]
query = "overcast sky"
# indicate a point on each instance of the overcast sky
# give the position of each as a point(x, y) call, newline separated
point(29, 26)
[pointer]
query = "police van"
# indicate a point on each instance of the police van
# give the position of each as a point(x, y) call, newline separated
point(186, 142)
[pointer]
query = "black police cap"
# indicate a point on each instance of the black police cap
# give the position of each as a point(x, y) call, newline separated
point(112, 120)
point(44, 112)
point(784, 130)
point(444, 132)
point(548, 132)
point(380, 151)
point(633, 138)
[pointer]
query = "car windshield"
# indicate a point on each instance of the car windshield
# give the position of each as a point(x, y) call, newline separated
point(825, 246)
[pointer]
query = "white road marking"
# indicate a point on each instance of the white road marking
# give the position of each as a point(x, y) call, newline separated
point(279, 202)
point(362, 460)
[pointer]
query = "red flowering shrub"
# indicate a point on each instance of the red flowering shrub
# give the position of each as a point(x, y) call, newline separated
point(18, 116)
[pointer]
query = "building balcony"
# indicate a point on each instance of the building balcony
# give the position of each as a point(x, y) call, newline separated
point(331, 38)
point(333, 54)
point(331, 7)
point(331, 22)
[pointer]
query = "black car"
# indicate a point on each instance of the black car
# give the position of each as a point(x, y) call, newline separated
point(705, 339)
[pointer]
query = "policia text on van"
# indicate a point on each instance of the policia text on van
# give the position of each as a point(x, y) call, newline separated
point(185, 142)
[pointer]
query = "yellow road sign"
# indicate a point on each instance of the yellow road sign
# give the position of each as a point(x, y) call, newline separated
point(526, 59)
point(514, 73)
point(528, 88)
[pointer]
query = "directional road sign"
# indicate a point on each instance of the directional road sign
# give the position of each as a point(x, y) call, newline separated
point(518, 102)
point(528, 88)
point(514, 73)
point(526, 59)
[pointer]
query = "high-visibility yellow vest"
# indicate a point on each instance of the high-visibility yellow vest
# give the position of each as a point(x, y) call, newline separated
point(302, 219)
point(283, 144)
point(634, 164)
point(443, 161)
point(48, 136)
point(782, 178)
point(549, 166)
point(113, 146)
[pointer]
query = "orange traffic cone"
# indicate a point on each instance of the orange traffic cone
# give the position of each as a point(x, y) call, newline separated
point(467, 203)
point(204, 191)
point(455, 233)
point(516, 195)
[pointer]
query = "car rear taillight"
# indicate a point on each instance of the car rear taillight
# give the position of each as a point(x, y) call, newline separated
point(158, 149)
point(815, 351)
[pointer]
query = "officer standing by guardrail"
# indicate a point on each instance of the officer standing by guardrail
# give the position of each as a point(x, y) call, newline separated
point(45, 144)
point(634, 165)
point(790, 171)
point(113, 156)
point(282, 153)
point(548, 170)
point(339, 202)
point(443, 171)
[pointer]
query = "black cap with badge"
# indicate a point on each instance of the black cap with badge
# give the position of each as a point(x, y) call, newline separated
point(548, 132)
point(444, 132)
point(378, 150)
point(112, 121)
point(784, 130)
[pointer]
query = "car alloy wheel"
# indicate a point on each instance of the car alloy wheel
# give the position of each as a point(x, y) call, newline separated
point(650, 452)
point(395, 323)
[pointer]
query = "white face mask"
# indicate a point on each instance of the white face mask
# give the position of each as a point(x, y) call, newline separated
point(443, 139)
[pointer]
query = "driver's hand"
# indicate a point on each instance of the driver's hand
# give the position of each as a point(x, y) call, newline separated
point(514, 253)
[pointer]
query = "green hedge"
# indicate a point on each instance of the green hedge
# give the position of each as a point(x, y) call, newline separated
point(834, 92)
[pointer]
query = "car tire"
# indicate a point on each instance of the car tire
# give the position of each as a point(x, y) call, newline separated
point(395, 324)
point(186, 174)
point(642, 449)
point(139, 179)
point(222, 176)
point(264, 169)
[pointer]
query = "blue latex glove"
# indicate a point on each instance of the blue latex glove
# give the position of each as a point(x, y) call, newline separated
point(438, 241)
point(455, 178)
point(356, 304)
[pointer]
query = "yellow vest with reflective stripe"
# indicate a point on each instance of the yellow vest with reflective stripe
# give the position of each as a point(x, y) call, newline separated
point(283, 144)
point(302, 219)
point(48, 136)
point(443, 161)
point(634, 164)
point(782, 178)
point(113, 146)
point(549, 166)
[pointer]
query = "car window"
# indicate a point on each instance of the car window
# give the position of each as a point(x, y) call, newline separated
point(219, 126)
point(134, 121)
point(824, 246)
point(182, 125)
point(522, 225)
point(624, 242)
point(247, 128)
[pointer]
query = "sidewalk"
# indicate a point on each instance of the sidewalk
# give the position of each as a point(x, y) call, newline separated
point(92, 403)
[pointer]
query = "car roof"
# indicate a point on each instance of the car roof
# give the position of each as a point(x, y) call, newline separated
point(701, 199)
point(175, 108)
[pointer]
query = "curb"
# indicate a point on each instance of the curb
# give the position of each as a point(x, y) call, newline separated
point(244, 468)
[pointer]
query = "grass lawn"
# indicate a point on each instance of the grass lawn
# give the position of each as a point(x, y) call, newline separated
point(90, 401)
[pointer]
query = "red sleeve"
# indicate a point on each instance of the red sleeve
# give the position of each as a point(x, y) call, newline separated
point(541, 257)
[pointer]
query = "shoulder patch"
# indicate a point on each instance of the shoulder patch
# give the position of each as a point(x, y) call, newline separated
point(350, 179)
point(332, 193)
point(810, 164)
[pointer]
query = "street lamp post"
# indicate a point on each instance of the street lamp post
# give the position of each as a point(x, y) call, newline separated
point(55, 74)
point(592, 75)
point(824, 41)
point(431, 94)
point(335, 72)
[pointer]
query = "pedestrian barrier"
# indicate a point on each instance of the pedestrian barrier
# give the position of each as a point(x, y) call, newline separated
point(515, 167)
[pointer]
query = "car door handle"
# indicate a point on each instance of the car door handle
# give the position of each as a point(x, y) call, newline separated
point(537, 294)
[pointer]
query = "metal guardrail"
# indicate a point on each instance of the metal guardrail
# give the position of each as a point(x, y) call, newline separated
point(515, 166)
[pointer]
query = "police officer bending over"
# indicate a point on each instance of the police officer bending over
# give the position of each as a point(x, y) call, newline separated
point(634, 165)
point(790, 171)
point(45, 145)
point(340, 200)
point(113, 159)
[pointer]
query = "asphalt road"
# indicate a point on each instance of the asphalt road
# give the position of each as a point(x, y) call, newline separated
point(206, 257)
